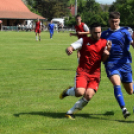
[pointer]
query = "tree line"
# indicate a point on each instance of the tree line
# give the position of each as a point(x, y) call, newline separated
point(90, 10)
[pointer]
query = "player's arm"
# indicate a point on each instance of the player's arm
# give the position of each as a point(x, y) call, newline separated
point(74, 46)
point(132, 42)
point(130, 35)
point(106, 51)
point(73, 34)
point(86, 30)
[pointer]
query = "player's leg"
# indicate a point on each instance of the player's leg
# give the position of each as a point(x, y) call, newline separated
point(39, 35)
point(115, 79)
point(80, 81)
point(89, 94)
point(81, 103)
point(70, 91)
point(127, 79)
point(77, 107)
point(78, 55)
point(129, 87)
point(92, 87)
point(114, 74)
point(128, 83)
point(36, 36)
point(50, 34)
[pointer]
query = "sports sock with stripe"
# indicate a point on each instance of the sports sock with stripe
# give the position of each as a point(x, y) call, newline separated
point(119, 96)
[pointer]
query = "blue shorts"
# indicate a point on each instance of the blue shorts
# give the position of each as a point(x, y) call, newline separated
point(123, 70)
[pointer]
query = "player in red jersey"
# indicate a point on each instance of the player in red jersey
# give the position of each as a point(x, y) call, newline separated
point(92, 50)
point(38, 29)
point(82, 30)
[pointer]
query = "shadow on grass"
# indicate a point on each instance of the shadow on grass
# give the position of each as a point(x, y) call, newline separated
point(62, 115)
point(58, 69)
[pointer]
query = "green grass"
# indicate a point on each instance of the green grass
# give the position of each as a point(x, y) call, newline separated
point(32, 75)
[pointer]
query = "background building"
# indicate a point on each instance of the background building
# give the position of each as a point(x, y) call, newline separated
point(15, 12)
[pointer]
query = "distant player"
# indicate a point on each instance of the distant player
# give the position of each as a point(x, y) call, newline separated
point(88, 71)
point(51, 29)
point(38, 29)
point(118, 65)
point(82, 30)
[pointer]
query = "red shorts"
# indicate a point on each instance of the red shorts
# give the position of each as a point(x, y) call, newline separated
point(37, 30)
point(84, 80)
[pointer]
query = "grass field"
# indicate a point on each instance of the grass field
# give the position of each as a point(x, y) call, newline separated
point(32, 75)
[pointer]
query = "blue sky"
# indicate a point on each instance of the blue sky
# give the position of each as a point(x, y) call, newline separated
point(105, 1)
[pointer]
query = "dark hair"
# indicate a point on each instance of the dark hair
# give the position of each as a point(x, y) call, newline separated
point(114, 15)
point(77, 16)
point(96, 24)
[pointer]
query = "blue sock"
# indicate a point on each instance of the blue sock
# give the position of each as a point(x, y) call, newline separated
point(119, 96)
point(133, 88)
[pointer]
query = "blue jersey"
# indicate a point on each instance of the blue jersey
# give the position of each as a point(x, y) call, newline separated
point(51, 27)
point(120, 39)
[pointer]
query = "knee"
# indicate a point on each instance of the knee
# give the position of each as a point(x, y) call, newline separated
point(88, 96)
point(79, 93)
point(130, 92)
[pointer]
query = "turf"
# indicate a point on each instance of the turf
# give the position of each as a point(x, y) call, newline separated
point(33, 74)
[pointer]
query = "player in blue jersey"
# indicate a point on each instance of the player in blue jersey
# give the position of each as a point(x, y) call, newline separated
point(51, 29)
point(118, 65)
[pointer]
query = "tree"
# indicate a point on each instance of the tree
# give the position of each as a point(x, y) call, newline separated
point(126, 8)
point(49, 8)
point(92, 12)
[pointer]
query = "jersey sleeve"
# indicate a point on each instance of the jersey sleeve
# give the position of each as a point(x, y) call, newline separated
point(129, 37)
point(78, 44)
point(85, 27)
point(130, 30)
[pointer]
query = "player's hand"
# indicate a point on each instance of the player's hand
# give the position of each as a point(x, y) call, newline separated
point(109, 45)
point(70, 34)
point(106, 53)
point(78, 33)
point(69, 50)
point(133, 36)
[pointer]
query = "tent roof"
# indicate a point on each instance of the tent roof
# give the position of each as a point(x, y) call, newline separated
point(16, 9)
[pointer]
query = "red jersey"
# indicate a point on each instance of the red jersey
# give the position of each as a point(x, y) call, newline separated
point(91, 55)
point(37, 25)
point(79, 28)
